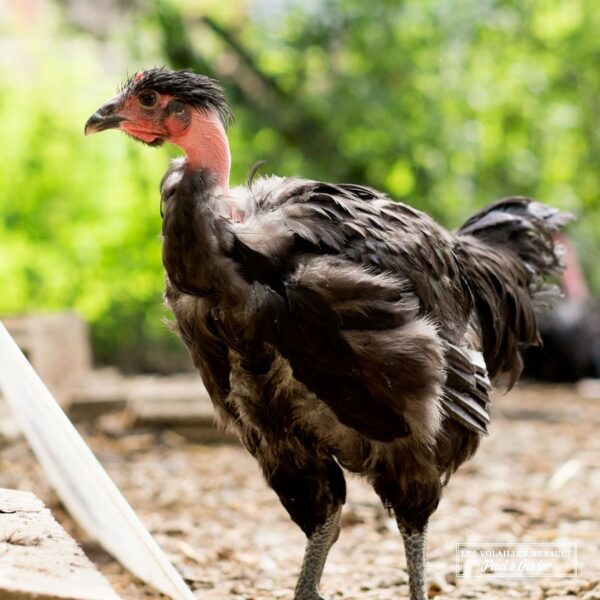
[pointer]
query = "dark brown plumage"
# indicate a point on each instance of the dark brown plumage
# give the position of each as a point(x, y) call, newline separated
point(336, 328)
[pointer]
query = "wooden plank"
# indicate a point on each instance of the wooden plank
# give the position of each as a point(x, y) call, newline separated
point(173, 399)
point(178, 401)
point(97, 392)
point(57, 346)
point(38, 559)
point(82, 484)
point(170, 400)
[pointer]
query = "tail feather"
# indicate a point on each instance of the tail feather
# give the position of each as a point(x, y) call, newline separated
point(508, 251)
point(526, 227)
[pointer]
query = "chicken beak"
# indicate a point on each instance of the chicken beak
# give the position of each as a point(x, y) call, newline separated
point(104, 118)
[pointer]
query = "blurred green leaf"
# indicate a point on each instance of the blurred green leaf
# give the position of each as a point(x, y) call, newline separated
point(445, 105)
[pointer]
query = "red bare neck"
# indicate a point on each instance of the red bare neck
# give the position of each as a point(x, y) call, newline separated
point(206, 147)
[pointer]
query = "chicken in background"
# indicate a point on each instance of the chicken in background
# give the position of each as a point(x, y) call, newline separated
point(570, 333)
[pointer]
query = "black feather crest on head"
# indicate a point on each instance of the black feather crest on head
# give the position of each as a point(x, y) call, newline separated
point(197, 90)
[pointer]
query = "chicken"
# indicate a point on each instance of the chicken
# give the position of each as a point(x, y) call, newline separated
point(570, 333)
point(333, 327)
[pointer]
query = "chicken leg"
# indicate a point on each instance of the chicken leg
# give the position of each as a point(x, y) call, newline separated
point(313, 492)
point(317, 548)
point(414, 547)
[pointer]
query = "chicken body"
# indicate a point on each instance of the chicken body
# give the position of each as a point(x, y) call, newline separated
point(335, 328)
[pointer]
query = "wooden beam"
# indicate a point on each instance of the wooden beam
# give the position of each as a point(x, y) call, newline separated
point(82, 484)
point(56, 345)
point(38, 559)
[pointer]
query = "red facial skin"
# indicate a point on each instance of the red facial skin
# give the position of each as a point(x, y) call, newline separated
point(198, 132)
point(147, 124)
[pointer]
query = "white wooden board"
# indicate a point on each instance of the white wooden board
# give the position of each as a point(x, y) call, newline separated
point(83, 485)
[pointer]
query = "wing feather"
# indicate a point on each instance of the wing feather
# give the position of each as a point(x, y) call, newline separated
point(361, 227)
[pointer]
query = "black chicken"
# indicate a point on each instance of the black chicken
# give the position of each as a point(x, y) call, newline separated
point(333, 327)
point(570, 333)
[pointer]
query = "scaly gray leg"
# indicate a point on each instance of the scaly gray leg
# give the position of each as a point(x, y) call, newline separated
point(414, 547)
point(317, 548)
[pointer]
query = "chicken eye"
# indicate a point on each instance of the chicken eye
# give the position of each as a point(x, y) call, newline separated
point(148, 99)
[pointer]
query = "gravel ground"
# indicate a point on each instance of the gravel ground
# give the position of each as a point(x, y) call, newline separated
point(226, 532)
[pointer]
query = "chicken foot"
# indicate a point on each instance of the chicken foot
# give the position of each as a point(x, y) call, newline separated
point(317, 549)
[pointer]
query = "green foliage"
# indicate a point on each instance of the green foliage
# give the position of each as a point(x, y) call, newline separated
point(80, 217)
point(446, 105)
